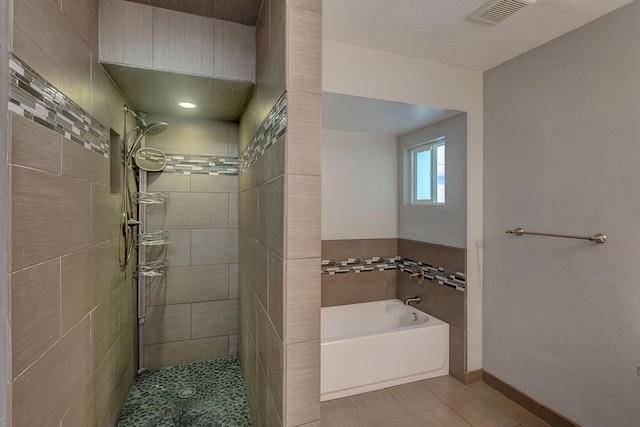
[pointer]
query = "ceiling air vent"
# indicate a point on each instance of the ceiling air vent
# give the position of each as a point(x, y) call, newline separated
point(497, 11)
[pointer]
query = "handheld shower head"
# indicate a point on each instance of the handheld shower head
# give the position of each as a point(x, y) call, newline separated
point(145, 130)
point(154, 128)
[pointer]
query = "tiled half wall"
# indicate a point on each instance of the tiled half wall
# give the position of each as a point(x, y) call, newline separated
point(364, 270)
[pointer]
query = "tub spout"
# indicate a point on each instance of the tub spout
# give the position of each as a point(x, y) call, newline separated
point(409, 300)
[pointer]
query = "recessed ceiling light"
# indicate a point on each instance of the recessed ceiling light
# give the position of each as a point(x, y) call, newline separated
point(187, 105)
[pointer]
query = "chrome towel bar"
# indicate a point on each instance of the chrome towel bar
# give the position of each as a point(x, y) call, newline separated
point(598, 237)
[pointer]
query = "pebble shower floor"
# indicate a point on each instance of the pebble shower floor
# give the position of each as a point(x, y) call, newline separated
point(203, 394)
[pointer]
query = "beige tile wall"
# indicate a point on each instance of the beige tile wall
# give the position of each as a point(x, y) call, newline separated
point(441, 301)
point(192, 312)
point(355, 288)
point(261, 234)
point(72, 309)
point(279, 223)
point(72, 305)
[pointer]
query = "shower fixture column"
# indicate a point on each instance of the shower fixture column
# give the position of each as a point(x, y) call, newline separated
point(140, 199)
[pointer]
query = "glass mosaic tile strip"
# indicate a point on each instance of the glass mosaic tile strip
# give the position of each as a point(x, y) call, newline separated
point(272, 128)
point(34, 98)
point(452, 279)
point(358, 265)
point(201, 165)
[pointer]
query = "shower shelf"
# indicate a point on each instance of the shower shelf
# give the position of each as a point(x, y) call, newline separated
point(154, 238)
point(151, 198)
point(152, 269)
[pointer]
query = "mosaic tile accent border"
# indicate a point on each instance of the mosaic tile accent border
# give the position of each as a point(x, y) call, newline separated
point(452, 279)
point(272, 128)
point(201, 165)
point(34, 98)
point(358, 265)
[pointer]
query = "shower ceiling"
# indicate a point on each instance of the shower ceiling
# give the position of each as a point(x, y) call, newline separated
point(240, 11)
point(158, 92)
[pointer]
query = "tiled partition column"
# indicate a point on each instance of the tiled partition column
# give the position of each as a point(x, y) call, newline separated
point(302, 207)
point(261, 225)
point(279, 219)
point(73, 323)
point(192, 312)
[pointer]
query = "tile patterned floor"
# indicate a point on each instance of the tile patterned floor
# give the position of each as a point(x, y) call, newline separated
point(204, 394)
point(436, 402)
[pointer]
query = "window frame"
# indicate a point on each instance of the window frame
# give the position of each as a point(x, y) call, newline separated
point(412, 152)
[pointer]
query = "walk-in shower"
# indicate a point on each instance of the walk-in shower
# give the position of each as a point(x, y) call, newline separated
point(192, 393)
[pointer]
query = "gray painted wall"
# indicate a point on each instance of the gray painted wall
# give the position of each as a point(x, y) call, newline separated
point(562, 154)
point(442, 224)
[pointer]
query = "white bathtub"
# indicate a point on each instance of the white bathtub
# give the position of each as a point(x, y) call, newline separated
point(379, 344)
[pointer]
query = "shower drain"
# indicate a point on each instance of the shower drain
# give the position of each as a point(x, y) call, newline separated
point(186, 392)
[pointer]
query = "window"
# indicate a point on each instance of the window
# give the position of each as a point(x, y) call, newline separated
point(427, 172)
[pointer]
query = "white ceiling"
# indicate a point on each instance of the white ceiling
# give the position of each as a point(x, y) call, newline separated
point(438, 30)
point(357, 114)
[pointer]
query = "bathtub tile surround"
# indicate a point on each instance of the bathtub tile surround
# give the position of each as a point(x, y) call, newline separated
point(355, 271)
point(342, 289)
point(450, 278)
point(193, 312)
point(347, 258)
point(36, 99)
point(453, 279)
point(347, 288)
point(357, 265)
point(444, 302)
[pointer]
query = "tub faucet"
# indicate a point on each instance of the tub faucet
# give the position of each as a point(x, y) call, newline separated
point(409, 300)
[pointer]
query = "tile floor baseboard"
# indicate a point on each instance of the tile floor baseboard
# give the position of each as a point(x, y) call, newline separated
point(436, 402)
point(471, 377)
point(547, 414)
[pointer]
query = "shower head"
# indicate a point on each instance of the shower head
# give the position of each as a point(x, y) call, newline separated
point(144, 130)
point(154, 128)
